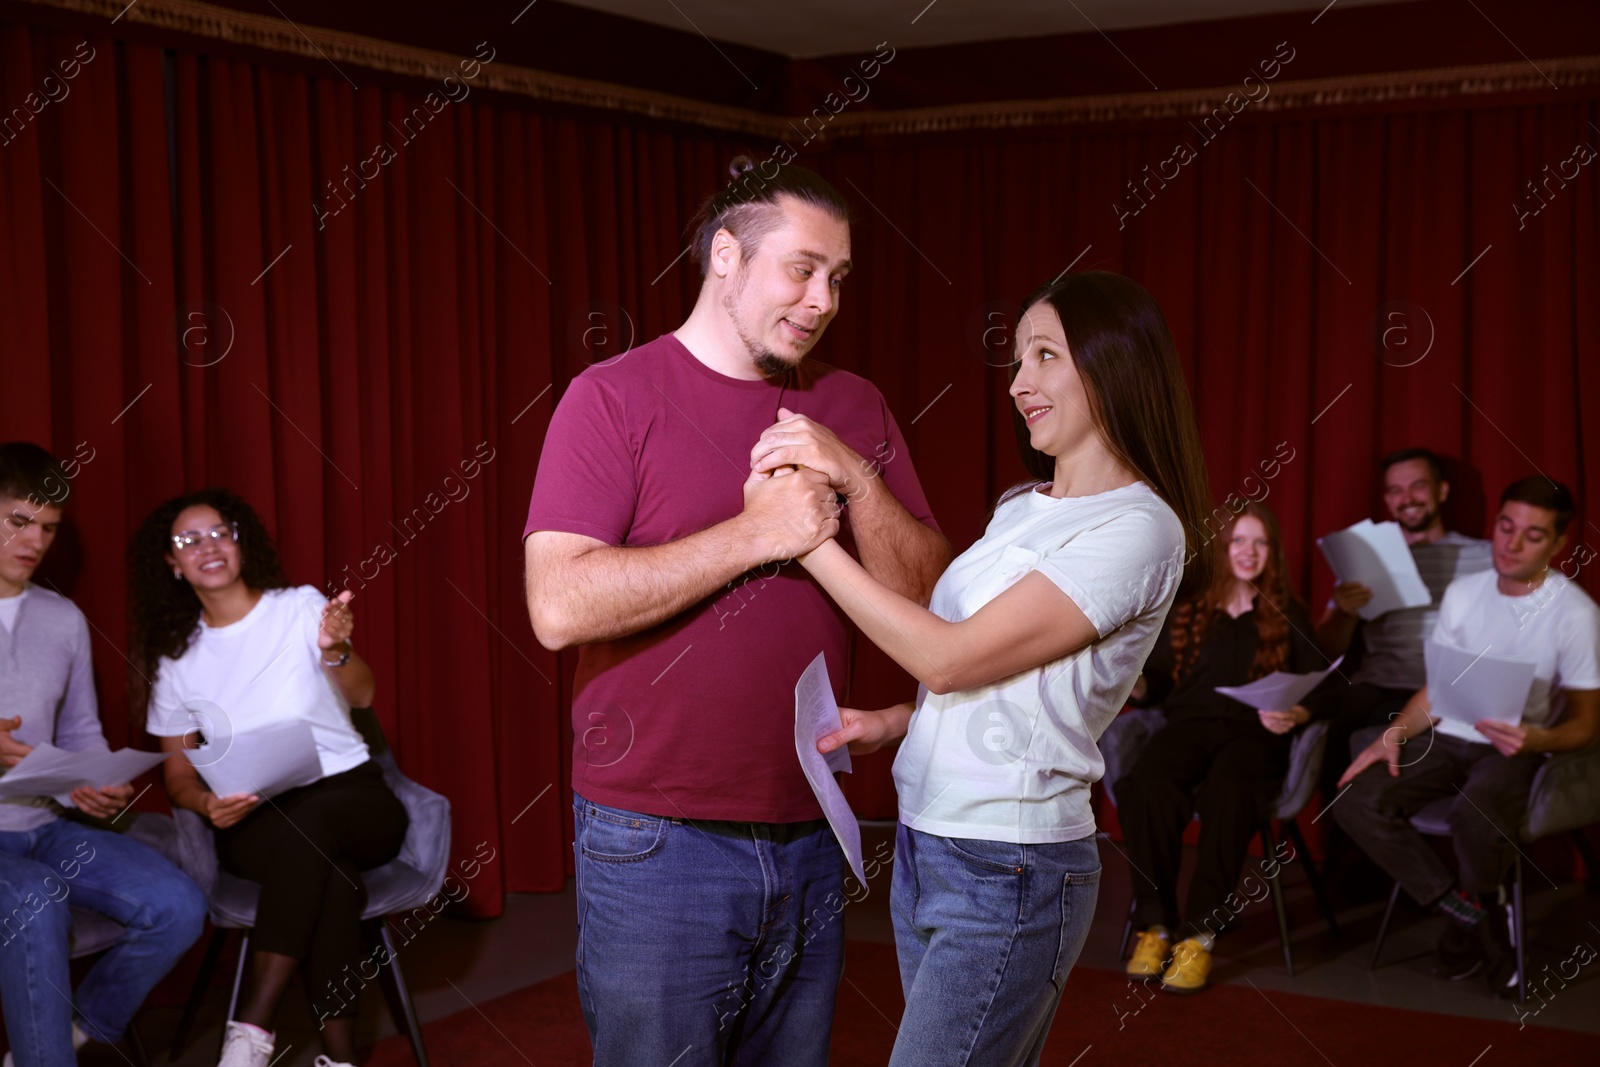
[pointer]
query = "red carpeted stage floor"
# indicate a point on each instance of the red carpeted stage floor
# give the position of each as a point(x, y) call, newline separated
point(1101, 1016)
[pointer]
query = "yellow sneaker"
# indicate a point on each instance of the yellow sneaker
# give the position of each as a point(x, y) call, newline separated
point(1149, 954)
point(1191, 964)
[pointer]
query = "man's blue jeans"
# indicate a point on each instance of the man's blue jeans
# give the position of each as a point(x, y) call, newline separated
point(61, 865)
point(986, 932)
point(707, 942)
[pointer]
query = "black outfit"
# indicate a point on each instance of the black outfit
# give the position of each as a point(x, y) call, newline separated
point(307, 848)
point(1213, 757)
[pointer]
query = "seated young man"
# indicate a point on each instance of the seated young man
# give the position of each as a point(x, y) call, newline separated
point(1520, 610)
point(48, 864)
point(1392, 668)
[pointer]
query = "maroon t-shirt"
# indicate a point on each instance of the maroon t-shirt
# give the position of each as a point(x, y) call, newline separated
point(695, 718)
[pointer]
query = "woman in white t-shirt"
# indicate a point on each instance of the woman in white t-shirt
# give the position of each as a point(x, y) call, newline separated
point(1035, 636)
point(225, 650)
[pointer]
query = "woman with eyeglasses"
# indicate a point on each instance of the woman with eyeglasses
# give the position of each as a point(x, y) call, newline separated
point(223, 645)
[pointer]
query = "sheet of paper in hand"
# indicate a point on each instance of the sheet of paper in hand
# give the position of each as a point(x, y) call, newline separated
point(1376, 555)
point(264, 762)
point(816, 714)
point(1278, 691)
point(1467, 687)
point(48, 771)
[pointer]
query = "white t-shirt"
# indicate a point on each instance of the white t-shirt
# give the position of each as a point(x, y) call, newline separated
point(9, 607)
point(263, 670)
point(1014, 760)
point(1556, 628)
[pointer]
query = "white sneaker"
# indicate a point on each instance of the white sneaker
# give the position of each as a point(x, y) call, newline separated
point(323, 1061)
point(79, 1039)
point(246, 1046)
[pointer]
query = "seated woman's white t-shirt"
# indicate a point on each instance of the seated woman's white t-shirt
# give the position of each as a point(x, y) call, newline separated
point(262, 670)
point(1013, 761)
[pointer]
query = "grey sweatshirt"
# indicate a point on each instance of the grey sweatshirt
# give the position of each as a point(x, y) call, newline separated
point(45, 677)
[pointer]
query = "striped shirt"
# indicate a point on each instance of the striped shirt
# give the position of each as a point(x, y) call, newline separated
point(1394, 641)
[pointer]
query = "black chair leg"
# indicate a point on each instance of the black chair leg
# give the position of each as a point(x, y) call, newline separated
point(1383, 927)
point(1519, 931)
point(202, 981)
point(1127, 930)
point(136, 1046)
point(1279, 905)
point(395, 990)
point(1581, 843)
point(1313, 876)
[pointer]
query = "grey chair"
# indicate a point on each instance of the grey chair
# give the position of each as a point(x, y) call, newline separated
point(1126, 738)
point(1564, 798)
point(407, 882)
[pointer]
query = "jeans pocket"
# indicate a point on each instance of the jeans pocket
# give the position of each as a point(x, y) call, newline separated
point(1079, 894)
point(618, 837)
point(1001, 857)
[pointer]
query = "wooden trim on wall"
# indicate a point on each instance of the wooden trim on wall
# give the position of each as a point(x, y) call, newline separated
point(207, 21)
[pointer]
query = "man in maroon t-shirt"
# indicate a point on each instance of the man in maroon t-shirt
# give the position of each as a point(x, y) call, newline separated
point(675, 482)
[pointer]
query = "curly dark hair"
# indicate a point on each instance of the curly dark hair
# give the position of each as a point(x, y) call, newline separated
point(163, 612)
point(1191, 617)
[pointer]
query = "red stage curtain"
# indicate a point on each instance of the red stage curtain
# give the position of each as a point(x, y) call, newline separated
point(163, 214)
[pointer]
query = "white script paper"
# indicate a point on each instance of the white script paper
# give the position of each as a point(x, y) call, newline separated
point(48, 771)
point(816, 715)
point(1278, 691)
point(263, 762)
point(1467, 687)
point(1376, 555)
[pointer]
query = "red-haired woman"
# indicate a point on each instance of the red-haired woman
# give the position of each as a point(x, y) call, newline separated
point(1215, 755)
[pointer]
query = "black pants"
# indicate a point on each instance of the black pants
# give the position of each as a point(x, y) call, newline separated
point(1489, 797)
point(307, 849)
point(1349, 709)
point(1229, 771)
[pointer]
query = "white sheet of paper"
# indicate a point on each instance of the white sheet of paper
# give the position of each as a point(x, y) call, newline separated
point(48, 771)
point(1278, 691)
point(816, 714)
point(1376, 555)
point(1467, 686)
point(265, 762)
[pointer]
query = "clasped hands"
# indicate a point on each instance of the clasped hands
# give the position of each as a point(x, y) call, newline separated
point(801, 476)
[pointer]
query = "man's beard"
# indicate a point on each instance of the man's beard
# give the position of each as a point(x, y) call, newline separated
point(766, 361)
point(1427, 520)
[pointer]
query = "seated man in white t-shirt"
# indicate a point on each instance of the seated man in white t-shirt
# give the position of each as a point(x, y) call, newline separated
point(1522, 610)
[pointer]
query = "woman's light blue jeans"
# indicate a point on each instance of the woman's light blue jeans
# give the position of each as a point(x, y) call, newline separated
point(986, 933)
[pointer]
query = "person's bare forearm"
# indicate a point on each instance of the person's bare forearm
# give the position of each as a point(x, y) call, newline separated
point(1415, 717)
point(184, 787)
point(1567, 737)
point(1578, 729)
point(919, 641)
point(354, 680)
point(894, 547)
point(609, 592)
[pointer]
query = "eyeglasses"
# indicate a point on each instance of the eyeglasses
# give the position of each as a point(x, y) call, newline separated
point(188, 541)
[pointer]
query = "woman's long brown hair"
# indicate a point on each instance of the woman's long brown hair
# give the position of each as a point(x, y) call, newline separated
point(1192, 616)
point(1138, 399)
